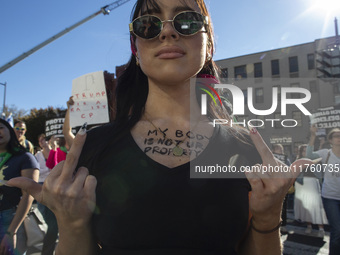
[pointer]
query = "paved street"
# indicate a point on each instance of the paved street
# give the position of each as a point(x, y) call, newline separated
point(297, 242)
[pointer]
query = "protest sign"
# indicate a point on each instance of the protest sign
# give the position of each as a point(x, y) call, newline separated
point(55, 127)
point(90, 100)
point(326, 118)
point(281, 140)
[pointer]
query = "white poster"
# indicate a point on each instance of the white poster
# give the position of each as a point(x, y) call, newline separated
point(326, 118)
point(90, 100)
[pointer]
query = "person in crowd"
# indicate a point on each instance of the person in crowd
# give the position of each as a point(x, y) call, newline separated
point(14, 203)
point(20, 131)
point(307, 201)
point(67, 129)
point(42, 156)
point(145, 201)
point(57, 152)
point(330, 192)
point(51, 236)
point(279, 153)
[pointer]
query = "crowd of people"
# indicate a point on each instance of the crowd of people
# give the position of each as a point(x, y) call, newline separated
point(111, 194)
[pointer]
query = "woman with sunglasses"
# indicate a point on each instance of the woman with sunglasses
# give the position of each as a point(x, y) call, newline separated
point(14, 203)
point(20, 130)
point(145, 201)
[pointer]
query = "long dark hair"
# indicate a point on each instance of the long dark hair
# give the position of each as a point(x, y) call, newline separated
point(13, 145)
point(132, 88)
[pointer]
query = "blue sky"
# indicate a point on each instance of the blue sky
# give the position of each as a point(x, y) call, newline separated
point(45, 78)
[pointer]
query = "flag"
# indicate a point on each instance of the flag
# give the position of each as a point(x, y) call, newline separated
point(10, 120)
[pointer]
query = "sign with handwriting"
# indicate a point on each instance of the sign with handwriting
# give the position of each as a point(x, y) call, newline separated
point(90, 100)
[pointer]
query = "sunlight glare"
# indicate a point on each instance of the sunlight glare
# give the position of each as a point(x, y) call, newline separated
point(326, 7)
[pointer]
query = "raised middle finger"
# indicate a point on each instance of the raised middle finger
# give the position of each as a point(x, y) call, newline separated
point(73, 155)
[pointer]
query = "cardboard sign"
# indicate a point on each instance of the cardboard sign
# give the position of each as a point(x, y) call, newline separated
point(54, 127)
point(90, 100)
point(281, 140)
point(326, 118)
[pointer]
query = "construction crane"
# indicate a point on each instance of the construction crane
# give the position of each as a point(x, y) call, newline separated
point(104, 10)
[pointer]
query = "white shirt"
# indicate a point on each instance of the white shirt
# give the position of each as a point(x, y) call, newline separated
point(44, 170)
point(331, 183)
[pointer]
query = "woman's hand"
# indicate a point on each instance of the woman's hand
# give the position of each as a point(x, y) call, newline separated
point(269, 188)
point(69, 194)
point(70, 102)
point(8, 244)
point(54, 142)
point(313, 129)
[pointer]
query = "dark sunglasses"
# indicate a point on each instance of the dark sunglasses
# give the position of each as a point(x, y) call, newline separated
point(185, 23)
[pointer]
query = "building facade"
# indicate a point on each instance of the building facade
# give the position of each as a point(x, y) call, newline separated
point(313, 66)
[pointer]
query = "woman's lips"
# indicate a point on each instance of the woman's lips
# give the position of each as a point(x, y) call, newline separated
point(170, 53)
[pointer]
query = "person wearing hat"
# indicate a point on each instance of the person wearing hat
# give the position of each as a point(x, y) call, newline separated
point(331, 184)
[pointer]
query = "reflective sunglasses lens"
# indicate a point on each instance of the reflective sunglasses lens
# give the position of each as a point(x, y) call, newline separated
point(188, 23)
point(147, 27)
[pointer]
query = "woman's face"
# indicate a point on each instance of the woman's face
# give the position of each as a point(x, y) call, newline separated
point(171, 57)
point(42, 141)
point(5, 136)
point(335, 140)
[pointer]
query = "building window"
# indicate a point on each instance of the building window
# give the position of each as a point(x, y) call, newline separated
point(259, 95)
point(293, 65)
point(278, 92)
point(311, 61)
point(336, 88)
point(240, 72)
point(313, 88)
point(277, 122)
point(259, 121)
point(224, 73)
point(245, 94)
point(297, 115)
point(258, 70)
point(295, 95)
point(275, 67)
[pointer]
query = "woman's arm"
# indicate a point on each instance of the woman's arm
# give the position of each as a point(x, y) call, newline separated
point(310, 148)
point(71, 198)
point(51, 161)
point(23, 206)
point(269, 189)
point(257, 243)
point(67, 130)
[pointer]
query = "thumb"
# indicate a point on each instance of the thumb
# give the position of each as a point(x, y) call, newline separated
point(28, 185)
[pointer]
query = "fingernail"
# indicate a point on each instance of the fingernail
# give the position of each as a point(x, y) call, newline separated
point(82, 130)
point(316, 161)
point(253, 131)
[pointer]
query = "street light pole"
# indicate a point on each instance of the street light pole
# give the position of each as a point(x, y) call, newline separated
point(3, 108)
